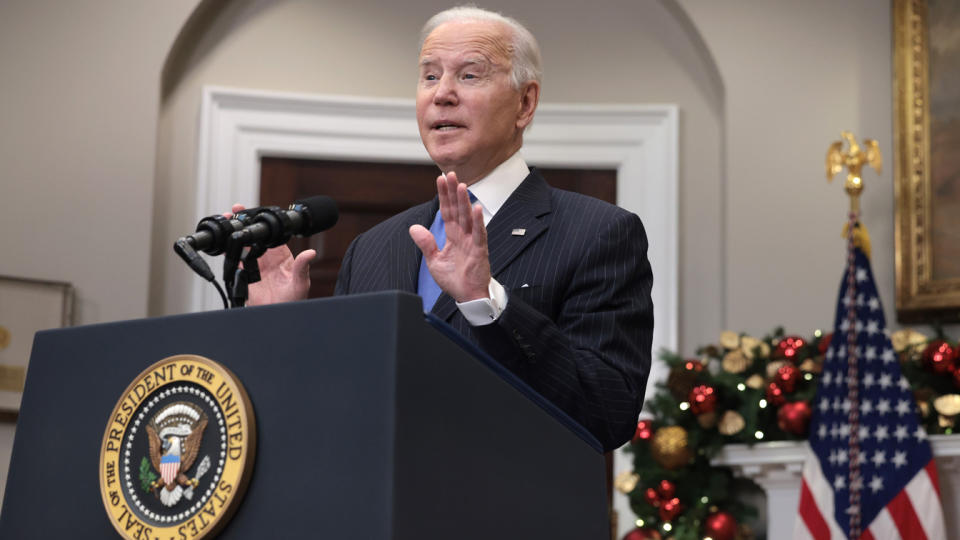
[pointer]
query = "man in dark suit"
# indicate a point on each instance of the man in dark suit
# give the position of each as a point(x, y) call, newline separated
point(554, 285)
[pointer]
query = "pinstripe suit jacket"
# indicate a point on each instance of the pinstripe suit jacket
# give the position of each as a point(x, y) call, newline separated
point(578, 325)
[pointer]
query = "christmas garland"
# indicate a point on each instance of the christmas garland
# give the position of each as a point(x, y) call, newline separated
point(748, 390)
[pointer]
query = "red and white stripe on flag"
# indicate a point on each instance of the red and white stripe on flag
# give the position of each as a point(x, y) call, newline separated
point(169, 470)
point(914, 514)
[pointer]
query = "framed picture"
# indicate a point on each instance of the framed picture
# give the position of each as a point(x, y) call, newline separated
point(927, 148)
point(26, 306)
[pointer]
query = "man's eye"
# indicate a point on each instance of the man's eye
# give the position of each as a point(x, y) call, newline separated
point(469, 76)
point(430, 78)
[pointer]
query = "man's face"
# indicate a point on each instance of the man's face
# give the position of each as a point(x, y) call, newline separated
point(470, 117)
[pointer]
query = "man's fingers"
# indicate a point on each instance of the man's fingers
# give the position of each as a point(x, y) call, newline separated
point(448, 199)
point(424, 240)
point(237, 207)
point(276, 257)
point(301, 264)
point(479, 230)
point(463, 210)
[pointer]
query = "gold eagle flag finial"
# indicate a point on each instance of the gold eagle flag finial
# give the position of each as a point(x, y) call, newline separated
point(854, 159)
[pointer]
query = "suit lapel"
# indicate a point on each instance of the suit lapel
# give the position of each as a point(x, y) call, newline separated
point(524, 209)
point(407, 255)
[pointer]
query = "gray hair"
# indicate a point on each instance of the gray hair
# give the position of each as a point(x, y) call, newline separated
point(526, 52)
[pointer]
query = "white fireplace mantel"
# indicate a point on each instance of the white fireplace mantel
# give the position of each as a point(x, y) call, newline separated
point(777, 468)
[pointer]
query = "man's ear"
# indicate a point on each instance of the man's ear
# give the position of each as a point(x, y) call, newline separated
point(529, 98)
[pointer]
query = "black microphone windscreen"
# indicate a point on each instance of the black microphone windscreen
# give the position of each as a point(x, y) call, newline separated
point(323, 213)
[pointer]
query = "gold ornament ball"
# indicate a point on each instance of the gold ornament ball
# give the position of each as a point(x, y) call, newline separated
point(948, 405)
point(707, 420)
point(812, 365)
point(626, 482)
point(670, 447)
point(907, 338)
point(730, 340)
point(755, 381)
point(731, 423)
point(749, 344)
point(735, 362)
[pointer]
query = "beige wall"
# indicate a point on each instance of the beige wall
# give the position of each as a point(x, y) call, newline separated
point(79, 94)
point(88, 144)
point(78, 109)
point(796, 74)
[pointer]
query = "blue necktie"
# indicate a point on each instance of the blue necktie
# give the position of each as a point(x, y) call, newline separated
point(427, 288)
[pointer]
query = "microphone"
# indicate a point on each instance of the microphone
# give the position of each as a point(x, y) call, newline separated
point(215, 234)
point(211, 238)
point(213, 231)
point(273, 226)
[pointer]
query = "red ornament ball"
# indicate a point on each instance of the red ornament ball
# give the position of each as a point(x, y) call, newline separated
point(644, 431)
point(775, 394)
point(644, 533)
point(789, 348)
point(703, 399)
point(720, 526)
point(650, 495)
point(693, 365)
point(666, 489)
point(787, 377)
point(670, 509)
point(794, 417)
point(824, 343)
point(956, 378)
point(940, 357)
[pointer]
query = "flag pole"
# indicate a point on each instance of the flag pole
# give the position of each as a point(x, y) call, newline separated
point(853, 159)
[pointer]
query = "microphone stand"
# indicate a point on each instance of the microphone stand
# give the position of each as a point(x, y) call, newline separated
point(237, 276)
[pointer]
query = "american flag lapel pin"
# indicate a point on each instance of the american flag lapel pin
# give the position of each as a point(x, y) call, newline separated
point(519, 232)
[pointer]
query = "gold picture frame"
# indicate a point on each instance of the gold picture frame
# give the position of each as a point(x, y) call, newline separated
point(26, 307)
point(927, 258)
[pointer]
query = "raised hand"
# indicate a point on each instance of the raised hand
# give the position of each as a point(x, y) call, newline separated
point(462, 267)
point(283, 278)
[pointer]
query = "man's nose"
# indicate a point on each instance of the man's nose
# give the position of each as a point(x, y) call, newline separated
point(446, 93)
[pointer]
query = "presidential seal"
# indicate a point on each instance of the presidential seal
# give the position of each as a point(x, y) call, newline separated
point(178, 451)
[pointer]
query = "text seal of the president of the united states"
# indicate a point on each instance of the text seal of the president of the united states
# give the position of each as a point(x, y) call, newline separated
point(178, 451)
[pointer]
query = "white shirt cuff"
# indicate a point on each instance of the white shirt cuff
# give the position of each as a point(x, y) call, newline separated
point(483, 311)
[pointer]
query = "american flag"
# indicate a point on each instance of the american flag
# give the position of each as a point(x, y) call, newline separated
point(870, 473)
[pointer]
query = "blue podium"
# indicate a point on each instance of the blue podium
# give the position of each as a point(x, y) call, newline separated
point(373, 422)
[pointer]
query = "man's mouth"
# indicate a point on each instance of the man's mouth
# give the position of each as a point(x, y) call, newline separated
point(445, 126)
